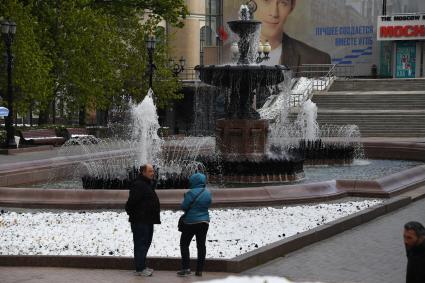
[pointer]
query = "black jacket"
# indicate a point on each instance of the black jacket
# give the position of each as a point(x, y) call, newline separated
point(143, 203)
point(416, 264)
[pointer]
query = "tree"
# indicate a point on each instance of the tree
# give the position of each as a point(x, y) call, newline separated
point(31, 66)
point(87, 54)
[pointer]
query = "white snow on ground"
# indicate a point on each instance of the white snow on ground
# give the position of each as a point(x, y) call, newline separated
point(232, 231)
point(254, 279)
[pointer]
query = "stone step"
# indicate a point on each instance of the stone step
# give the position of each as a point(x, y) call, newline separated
point(383, 108)
point(378, 85)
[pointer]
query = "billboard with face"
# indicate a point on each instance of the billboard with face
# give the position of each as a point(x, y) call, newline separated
point(320, 31)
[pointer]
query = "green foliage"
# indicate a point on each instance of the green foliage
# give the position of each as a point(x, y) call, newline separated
point(2, 136)
point(88, 53)
point(31, 76)
point(172, 11)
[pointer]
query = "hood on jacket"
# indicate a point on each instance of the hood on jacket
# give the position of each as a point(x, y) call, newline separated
point(197, 180)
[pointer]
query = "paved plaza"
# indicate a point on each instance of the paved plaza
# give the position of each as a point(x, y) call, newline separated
point(370, 253)
point(72, 275)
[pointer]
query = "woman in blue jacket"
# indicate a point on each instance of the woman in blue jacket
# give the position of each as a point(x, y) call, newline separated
point(195, 204)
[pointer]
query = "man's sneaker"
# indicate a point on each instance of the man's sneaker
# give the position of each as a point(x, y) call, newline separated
point(145, 272)
point(150, 269)
point(184, 272)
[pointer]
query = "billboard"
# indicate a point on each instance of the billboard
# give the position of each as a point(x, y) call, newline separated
point(320, 31)
point(402, 27)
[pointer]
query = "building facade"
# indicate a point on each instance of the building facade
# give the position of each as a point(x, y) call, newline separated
point(402, 38)
point(345, 29)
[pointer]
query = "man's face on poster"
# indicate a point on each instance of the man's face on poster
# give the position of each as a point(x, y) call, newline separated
point(273, 15)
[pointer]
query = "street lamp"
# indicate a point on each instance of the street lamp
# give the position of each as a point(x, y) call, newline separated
point(150, 46)
point(384, 7)
point(177, 68)
point(263, 52)
point(8, 30)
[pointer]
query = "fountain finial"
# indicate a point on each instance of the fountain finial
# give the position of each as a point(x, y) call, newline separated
point(244, 13)
point(252, 6)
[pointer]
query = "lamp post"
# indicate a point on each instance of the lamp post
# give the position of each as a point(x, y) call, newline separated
point(384, 7)
point(150, 46)
point(177, 68)
point(8, 30)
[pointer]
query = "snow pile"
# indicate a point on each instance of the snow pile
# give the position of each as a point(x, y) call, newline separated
point(232, 231)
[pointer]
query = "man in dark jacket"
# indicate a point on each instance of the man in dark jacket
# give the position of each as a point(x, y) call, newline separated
point(414, 240)
point(143, 209)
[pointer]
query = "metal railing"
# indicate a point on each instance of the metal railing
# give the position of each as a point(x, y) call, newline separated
point(320, 74)
point(323, 74)
point(189, 74)
point(344, 71)
point(296, 100)
point(322, 70)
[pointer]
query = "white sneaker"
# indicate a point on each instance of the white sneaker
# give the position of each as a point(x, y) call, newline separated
point(145, 272)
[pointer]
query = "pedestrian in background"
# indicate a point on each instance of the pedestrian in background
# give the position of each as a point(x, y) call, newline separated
point(196, 220)
point(414, 241)
point(143, 209)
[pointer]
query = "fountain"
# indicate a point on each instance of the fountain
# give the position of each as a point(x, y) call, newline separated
point(246, 149)
point(242, 137)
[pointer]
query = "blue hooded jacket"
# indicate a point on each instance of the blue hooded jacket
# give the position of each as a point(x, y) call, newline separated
point(199, 211)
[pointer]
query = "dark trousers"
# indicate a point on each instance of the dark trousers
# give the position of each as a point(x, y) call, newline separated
point(200, 231)
point(142, 239)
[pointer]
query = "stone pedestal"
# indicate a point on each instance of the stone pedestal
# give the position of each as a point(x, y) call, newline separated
point(241, 139)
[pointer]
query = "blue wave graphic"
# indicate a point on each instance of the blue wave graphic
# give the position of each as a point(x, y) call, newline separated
point(355, 53)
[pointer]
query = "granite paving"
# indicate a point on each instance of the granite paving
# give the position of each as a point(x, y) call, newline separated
point(370, 253)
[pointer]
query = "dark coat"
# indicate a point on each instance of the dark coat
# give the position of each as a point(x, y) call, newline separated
point(143, 203)
point(416, 264)
point(296, 53)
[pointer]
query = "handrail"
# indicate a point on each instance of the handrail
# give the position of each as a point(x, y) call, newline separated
point(322, 74)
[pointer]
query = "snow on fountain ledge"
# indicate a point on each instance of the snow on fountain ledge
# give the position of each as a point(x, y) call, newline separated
point(232, 231)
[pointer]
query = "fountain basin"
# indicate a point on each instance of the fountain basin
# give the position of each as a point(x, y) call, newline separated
point(229, 76)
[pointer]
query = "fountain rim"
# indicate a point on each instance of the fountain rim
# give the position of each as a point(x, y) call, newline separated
point(244, 21)
point(242, 67)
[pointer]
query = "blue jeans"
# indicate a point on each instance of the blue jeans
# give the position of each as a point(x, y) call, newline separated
point(142, 238)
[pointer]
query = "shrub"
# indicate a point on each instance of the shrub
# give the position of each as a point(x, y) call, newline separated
point(2, 136)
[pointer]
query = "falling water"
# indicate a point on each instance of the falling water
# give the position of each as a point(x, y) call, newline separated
point(146, 141)
point(307, 121)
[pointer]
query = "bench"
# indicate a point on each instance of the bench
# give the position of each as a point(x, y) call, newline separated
point(76, 132)
point(40, 137)
point(81, 134)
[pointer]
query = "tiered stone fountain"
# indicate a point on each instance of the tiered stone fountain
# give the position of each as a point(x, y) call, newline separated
point(241, 137)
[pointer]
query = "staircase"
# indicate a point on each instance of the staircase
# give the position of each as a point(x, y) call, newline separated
point(380, 108)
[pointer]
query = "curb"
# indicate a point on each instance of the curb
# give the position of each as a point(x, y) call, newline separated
point(234, 265)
